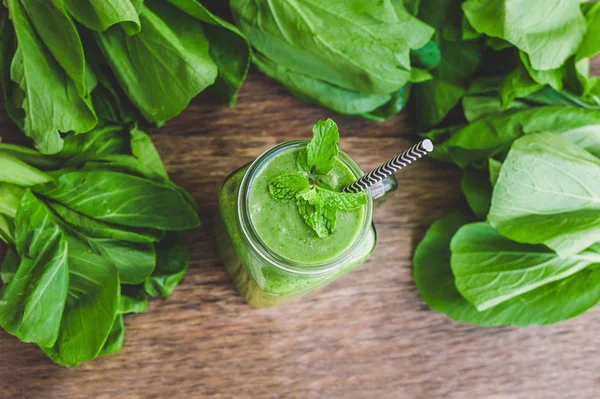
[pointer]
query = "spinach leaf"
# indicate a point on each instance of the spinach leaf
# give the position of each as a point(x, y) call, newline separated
point(549, 31)
point(172, 263)
point(143, 149)
point(31, 303)
point(99, 15)
point(335, 42)
point(494, 133)
point(12, 93)
point(229, 49)
point(476, 187)
point(548, 192)
point(59, 34)
point(490, 269)
point(550, 303)
point(134, 261)
point(9, 266)
point(133, 299)
point(122, 199)
point(91, 307)
point(459, 60)
point(51, 104)
point(14, 171)
point(164, 66)
point(340, 100)
point(115, 339)
point(96, 229)
point(7, 229)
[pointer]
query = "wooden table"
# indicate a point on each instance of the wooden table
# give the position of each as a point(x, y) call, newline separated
point(368, 335)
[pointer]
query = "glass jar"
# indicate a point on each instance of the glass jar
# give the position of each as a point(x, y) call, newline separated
point(262, 277)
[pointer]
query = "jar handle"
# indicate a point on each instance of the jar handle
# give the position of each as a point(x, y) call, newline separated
point(384, 187)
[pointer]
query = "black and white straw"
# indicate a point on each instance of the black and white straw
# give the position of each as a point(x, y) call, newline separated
point(390, 167)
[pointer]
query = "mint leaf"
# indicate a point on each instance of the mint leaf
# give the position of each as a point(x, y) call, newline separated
point(285, 188)
point(317, 202)
point(342, 201)
point(322, 151)
point(310, 195)
point(301, 162)
point(319, 217)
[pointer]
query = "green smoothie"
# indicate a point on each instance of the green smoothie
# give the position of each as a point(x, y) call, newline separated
point(281, 229)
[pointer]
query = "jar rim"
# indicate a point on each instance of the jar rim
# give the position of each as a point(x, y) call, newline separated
point(266, 253)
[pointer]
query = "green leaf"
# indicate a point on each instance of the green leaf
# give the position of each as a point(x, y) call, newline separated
point(90, 310)
point(590, 45)
point(336, 42)
point(133, 299)
point(229, 49)
point(90, 227)
point(10, 198)
point(135, 261)
point(553, 77)
point(13, 95)
point(31, 305)
point(143, 149)
point(476, 187)
point(435, 98)
point(340, 100)
point(548, 193)
point(418, 75)
point(115, 339)
point(549, 31)
point(490, 269)
point(101, 141)
point(494, 133)
point(172, 263)
point(122, 199)
point(14, 171)
point(99, 15)
point(52, 104)
point(494, 167)
point(550, 303)
point(428, 56)
point(286, 187)
point(322, 151)
point(164, 66)
point(517, 84)
point(397, 102)
point(321, 218)
point(342, 201)
point(59, 33)
point(477, 106)
point(9, 266)
point(7, 229)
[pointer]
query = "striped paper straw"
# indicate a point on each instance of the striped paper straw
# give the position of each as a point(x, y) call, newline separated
point(390, 167)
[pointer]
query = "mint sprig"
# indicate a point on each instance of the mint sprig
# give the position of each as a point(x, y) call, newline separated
point(318, 205)
point(321, 152)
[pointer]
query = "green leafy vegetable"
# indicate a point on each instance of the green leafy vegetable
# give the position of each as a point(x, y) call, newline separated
point(351, 56)
point(548, 31)
point(51, 102)
point(458, 60)
point(482, 258)
point(129, 61)
point(550, 303)
point(80, 232)
point(547, 192)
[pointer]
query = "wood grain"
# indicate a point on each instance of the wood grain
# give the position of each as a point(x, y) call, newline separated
point(368, 335)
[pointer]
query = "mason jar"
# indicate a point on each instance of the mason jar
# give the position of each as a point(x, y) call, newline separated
point(263, 277)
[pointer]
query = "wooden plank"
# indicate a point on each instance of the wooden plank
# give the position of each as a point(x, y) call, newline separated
point(368, 335)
